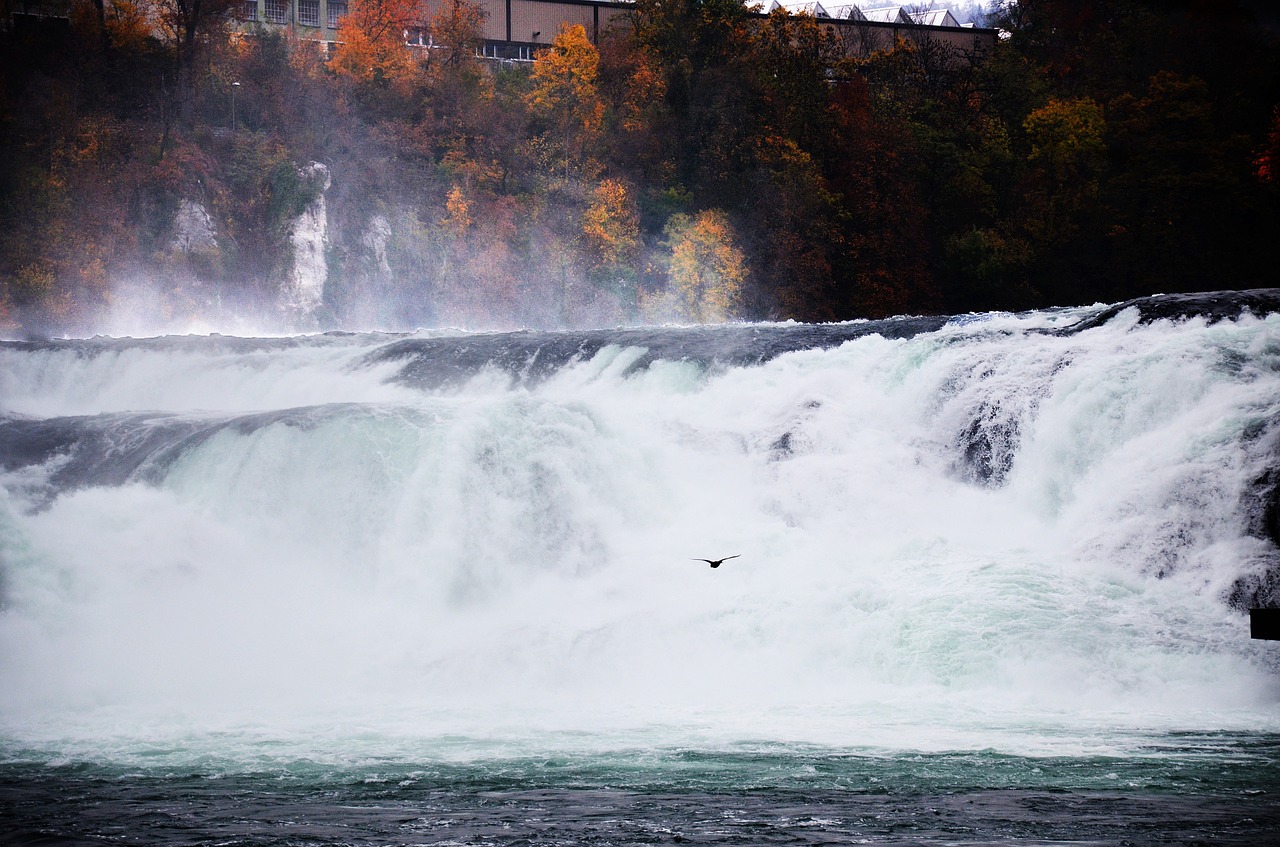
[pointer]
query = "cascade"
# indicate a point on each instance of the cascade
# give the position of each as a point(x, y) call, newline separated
point(1020, 532)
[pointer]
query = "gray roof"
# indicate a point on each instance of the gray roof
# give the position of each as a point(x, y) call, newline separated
point(888, 15)
point(934, 17)
point(800, 7)
point(846, 11)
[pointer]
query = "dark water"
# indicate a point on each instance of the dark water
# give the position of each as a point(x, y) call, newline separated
point(1195, 790)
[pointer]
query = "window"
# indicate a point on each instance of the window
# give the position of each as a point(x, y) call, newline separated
point(337, 8)
point(275, 11)
point(309, 12)
point(250, 10)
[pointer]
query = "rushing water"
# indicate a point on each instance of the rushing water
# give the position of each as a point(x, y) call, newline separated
point(440, 588)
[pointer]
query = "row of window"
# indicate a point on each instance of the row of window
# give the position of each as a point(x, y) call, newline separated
point(277, 12)
point(501, 50)
point(308, 14)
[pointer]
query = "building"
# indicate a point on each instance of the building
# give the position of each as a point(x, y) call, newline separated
point(514, 29)
point(934, 17)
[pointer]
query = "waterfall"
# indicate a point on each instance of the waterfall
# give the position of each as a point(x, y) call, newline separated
point(1009, 531)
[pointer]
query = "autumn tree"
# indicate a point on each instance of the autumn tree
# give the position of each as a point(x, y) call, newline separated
point(122, 23)
point(611, 228)
point(706, 270)
point(456, 31)
point(1066, 140)
point(1183, 202)
point(704, 52)
point(795, 57)
point(564, 98)
point(1267, 158)
point(186, 22)
point(632, 82)
point(128, 24)
point(371, 41)
point(689, 38)
point(457, 219)
point(458, 116)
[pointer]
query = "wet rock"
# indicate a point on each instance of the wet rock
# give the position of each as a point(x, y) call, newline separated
point(1212, 305)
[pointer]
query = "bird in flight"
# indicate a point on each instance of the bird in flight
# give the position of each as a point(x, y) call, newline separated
point(715, 563)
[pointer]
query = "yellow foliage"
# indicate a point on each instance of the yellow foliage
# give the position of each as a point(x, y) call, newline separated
point(458, 221)
point(611, 225)
point(34, 281)
point(781, 152)
point(1066, 136)
point(459, 163)
point(706, 268)
point(564, 76)
point(564, 89)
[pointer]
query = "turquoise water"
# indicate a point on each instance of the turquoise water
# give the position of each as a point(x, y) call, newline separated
point(1181, 789)
point(1179, 763)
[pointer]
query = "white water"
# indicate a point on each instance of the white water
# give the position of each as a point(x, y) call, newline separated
point(512, 565)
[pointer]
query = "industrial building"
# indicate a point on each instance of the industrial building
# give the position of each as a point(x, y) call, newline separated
point(514, 29)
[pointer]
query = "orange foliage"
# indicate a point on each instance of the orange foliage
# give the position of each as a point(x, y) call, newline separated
point(371, 41)
point(458, 220)
point(645, 88)
point(129, 23)
point(564, 89)
point(457, 31)
point(611, 225)
point(707, 269)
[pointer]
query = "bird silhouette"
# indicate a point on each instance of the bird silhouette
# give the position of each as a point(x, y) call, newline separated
point(715, 563)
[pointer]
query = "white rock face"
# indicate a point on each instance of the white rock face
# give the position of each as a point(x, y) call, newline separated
point(303, 289)
point(193, 229)
point(375, 241)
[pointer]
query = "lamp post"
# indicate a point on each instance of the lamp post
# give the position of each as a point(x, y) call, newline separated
point(234, 86)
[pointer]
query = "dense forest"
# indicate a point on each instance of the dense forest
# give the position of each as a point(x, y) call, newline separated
point(165, 164)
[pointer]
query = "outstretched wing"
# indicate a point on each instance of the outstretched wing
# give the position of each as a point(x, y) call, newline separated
point(715, 563)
